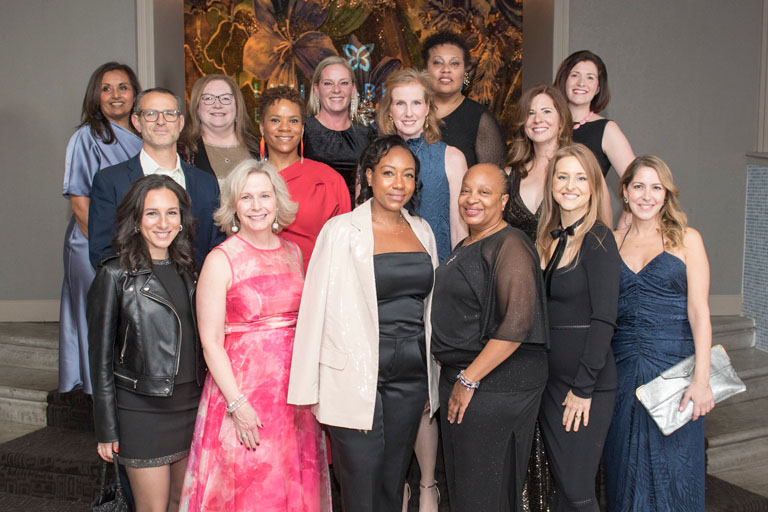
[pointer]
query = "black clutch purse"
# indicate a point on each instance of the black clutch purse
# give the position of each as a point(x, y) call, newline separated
point(662, 396)
point(111, 497)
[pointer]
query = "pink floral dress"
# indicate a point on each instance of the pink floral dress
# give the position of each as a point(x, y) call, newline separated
point(288, 471)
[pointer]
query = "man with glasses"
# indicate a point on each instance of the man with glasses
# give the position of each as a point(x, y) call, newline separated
point(158, 119)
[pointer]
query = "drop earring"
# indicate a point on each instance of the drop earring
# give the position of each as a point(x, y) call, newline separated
point(235, 227)
point(261, 149)
point(465, 82)
point(275, 225)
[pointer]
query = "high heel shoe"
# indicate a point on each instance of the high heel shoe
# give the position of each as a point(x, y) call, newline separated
point(433, 486)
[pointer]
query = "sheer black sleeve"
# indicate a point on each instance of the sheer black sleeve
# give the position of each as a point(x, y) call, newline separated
point(516, 280)
point(600, 258)
point(490, 146)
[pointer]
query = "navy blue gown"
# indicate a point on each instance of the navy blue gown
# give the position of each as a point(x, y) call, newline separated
point(646, 471)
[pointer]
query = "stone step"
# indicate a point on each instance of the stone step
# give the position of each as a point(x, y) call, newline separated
point(752, 366)
point(29, 344)
point(11, 430)
point(24, 394)
point(51, 463)
point(21, 503)
point(733, 331)
point(737, 434)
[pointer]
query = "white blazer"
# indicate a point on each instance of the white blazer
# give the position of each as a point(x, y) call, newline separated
point(335, 362)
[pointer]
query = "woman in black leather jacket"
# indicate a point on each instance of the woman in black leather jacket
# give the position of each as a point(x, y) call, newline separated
point(145, 355)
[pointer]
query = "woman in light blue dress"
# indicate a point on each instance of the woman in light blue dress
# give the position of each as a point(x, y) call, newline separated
point(104, 138)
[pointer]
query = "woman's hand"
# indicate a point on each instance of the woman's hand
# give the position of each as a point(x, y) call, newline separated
point(576, 411)
point(105, 450)
point(703, 401)
point(247, 425)
point(458, 402)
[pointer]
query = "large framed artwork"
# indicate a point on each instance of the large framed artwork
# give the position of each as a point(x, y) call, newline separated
point(263, 43)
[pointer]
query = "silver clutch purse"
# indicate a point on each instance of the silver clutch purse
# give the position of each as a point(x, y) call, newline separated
point(662, 396)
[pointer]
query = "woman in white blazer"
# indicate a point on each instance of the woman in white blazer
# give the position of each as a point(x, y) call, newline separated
point(362, 354)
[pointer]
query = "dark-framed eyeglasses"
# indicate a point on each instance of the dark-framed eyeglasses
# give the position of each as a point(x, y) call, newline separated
point(151, 116)
point(224, 99)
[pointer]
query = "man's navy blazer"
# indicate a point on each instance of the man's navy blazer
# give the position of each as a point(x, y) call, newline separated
point(112, 183)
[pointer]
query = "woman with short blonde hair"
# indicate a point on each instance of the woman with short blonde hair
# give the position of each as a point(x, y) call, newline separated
point(335, 133)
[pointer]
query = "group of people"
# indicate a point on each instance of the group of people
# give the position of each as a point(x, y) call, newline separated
point(227, 309)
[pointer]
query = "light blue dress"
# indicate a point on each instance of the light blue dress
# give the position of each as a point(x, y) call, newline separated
point(86, 155)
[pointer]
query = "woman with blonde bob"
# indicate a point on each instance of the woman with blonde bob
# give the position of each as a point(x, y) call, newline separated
point(581, 277)
point(334, 132)
point(663, 318)
point(218, 132)
point(249, 445)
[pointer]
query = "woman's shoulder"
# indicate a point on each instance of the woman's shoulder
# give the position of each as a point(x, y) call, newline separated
point(600, 237)
point(321, 171)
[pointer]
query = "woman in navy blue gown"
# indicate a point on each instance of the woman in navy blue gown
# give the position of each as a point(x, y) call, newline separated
point(663, 317)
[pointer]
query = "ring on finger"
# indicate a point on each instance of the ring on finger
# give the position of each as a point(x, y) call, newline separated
point(244, 436)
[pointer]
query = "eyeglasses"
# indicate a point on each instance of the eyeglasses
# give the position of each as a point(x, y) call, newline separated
point(151, 116)
point(224, 99)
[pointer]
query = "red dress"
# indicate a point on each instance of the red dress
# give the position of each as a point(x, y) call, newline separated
point(321, 194)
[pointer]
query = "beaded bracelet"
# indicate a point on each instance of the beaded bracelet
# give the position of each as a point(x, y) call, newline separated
point(235, 404)
point(470, 385)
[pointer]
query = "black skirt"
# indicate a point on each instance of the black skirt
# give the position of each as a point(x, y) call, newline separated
point(156, 430)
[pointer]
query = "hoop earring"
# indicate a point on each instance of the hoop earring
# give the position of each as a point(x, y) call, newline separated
point(235, 227)
point(136, 229)
point(626, 201)
point(275, 225)
point(353, 103)
point(181, 228)
point(465, 82)
point(261, 149)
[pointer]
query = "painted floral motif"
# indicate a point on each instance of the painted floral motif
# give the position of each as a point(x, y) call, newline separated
point(270, 42)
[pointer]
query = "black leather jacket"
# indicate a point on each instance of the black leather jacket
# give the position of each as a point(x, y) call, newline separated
point(134, 339)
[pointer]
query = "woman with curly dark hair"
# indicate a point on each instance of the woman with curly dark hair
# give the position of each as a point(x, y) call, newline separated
point(146, 360)
point(466, 124)
point(320, 191)
point(362, 356)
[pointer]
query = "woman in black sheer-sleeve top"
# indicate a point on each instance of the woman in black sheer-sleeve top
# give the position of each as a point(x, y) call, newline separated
point(490, 336)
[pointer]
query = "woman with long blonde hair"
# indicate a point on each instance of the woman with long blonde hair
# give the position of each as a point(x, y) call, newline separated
point(663, 318)
point(581, 278)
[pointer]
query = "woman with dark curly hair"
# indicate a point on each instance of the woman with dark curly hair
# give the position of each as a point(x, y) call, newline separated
point(320, 191)
point(104, 138)
point(146, 360)
point(466, 124)
point(362, 356)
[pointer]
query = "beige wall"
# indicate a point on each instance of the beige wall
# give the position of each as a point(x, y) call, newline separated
point(49, 51)
point(684, 79)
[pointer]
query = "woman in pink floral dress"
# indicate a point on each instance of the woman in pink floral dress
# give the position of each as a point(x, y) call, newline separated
point(251, 450)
